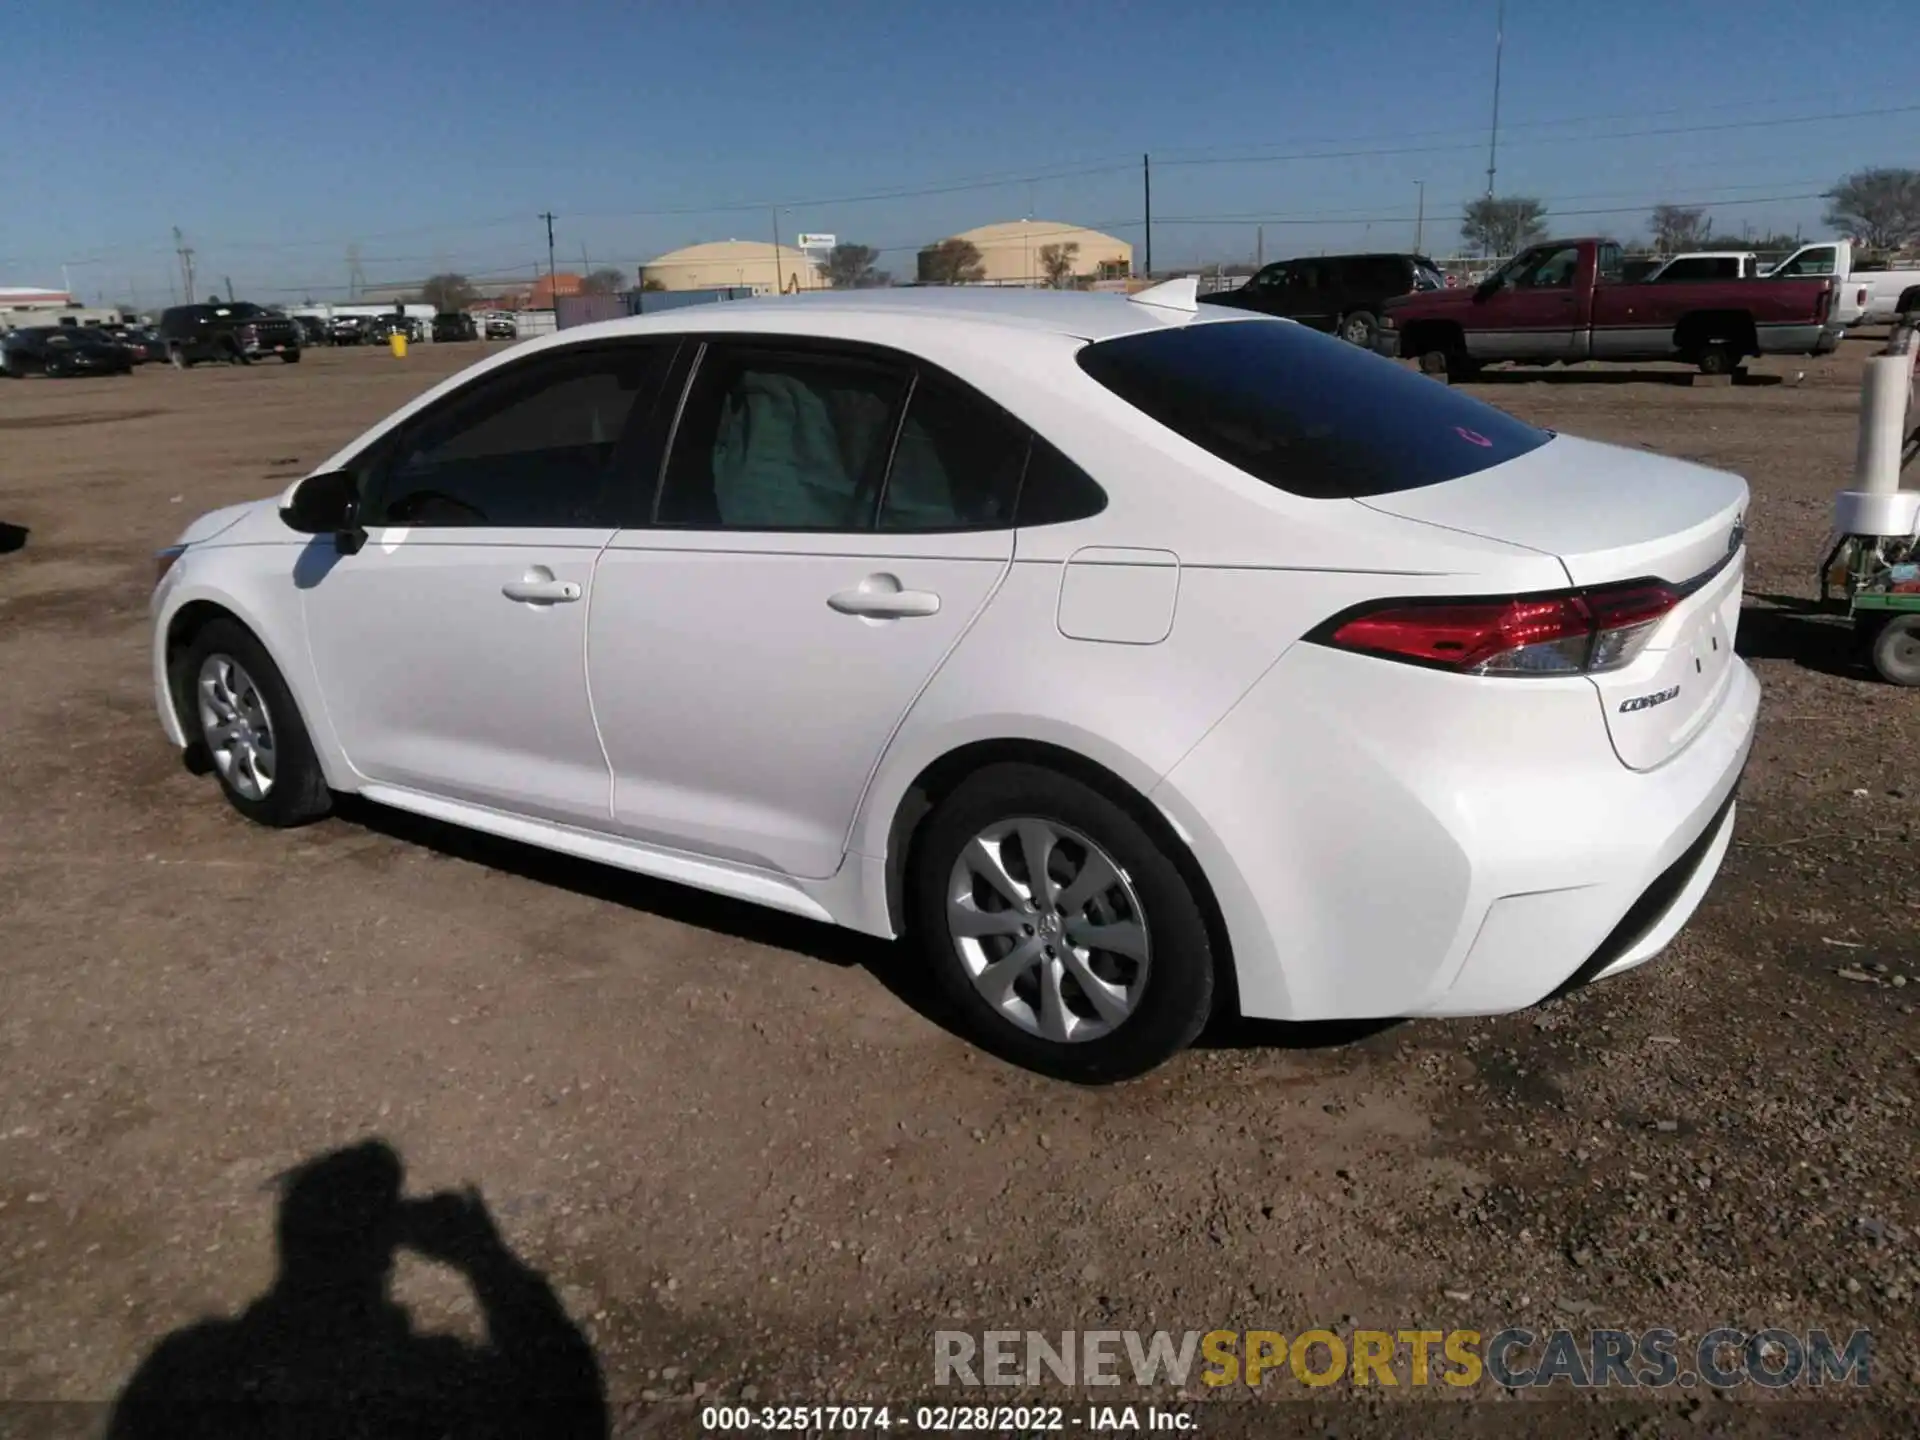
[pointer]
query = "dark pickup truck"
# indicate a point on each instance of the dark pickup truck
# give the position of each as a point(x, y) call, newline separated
point(1567, 300)
point(230, 331)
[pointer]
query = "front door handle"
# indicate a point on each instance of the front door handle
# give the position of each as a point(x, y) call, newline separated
point(879, 597)
point(538, 587)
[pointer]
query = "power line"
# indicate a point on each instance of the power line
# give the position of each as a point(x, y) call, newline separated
point(1408, 219)
point(1265, 159)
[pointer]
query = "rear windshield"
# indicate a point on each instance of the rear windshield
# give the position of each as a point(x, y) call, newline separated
point(1306, 413)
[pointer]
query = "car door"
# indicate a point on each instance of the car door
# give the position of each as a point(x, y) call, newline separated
point(1310, 294)
point(830, 520)
point(1535, 312)
point(451, 649)
point(1267, 290)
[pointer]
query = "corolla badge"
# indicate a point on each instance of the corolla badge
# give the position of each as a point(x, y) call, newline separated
point(1647, 702)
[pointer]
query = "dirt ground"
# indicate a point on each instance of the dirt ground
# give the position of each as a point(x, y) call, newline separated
point(743, 1150)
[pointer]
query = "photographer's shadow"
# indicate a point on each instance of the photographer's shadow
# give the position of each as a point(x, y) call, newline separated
point(326, 1352)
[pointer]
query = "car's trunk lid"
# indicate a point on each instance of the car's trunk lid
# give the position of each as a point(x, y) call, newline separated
point(1613, 515)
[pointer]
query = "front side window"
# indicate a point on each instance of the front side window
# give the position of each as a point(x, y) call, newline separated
point(1305, 413)
point(1551, 269)
point(535, 446)
point(782, 440)
point(1818, 261)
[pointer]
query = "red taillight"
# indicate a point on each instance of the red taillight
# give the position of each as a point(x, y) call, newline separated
point(1591, 631)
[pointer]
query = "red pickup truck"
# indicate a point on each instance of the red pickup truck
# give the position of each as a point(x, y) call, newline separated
point(1566, 301)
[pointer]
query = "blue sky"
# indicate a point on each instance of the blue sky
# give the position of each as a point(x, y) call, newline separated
point(431, 134)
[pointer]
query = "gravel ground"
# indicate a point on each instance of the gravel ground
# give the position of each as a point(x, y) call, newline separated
point(743, 1151)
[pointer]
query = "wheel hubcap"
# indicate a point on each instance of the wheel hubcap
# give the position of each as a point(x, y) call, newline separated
point(1049, 928)
point(236, 727)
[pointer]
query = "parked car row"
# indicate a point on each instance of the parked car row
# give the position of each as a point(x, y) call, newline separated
point(56, 350)
point(1585, 300)
point(1566, 300)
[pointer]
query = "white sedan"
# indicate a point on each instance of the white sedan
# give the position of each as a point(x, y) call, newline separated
point(1135, 659)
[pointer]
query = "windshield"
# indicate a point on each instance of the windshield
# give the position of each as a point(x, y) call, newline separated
point(1306, 413)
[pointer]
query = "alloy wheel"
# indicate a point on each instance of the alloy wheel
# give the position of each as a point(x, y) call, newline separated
point(1049, 929)
point(236, 726)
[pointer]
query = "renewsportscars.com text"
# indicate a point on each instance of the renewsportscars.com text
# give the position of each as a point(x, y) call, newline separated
point(1515, 1358)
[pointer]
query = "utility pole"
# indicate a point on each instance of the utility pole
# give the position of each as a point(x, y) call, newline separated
point(1420, 217)
point(1259, 247)
point(773, 215)
point(1146, 195)
point(185, 252)
point(1493, 140)
point(553, 284)
point(229, 280)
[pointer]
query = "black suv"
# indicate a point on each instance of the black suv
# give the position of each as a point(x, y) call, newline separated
point(231, 331)
point(1341, 294)
point(455, 325)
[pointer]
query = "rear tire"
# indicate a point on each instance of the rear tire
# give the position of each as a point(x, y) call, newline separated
point(1718, 359)
point(177, 357)
point(235, 706)
point(1434, 363)
point(1065, 1008)
point(291, 357)
point(1896, 650)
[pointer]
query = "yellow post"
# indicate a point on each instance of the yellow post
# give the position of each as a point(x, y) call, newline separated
point(398, 340)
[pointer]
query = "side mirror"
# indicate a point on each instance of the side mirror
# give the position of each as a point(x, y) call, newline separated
point(328, 503)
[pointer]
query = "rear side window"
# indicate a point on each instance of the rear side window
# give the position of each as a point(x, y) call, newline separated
point(770, 440)
point(956, 463)
point(1306, 413)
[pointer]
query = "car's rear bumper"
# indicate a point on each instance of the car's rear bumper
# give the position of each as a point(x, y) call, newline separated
point(1384, 840)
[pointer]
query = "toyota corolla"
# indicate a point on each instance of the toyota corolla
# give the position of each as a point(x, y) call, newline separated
point(1132, 658)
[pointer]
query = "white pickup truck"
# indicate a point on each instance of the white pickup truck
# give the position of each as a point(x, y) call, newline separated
point(1705, 265)
point(1864, 297)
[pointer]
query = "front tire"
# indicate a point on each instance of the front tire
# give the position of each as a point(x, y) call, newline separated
point(1360, 328)
point(291, 357)
point(177, 357)
point(1063, 936)
point(236, 704)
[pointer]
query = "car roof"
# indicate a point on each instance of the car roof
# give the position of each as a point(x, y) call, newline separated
point(1075, 314)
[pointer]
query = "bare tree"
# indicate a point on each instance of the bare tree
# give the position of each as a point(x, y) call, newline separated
point(449, 292)
point(1676, 228)
point(1056, 263)
point(1502, 224)
point(604, 281)
point(1879, 208)
point(648, 283)
point(851, 267)
point(951, 262)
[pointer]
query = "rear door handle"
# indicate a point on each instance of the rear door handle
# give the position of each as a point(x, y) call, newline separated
point(879, 597)
point(538, 587)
